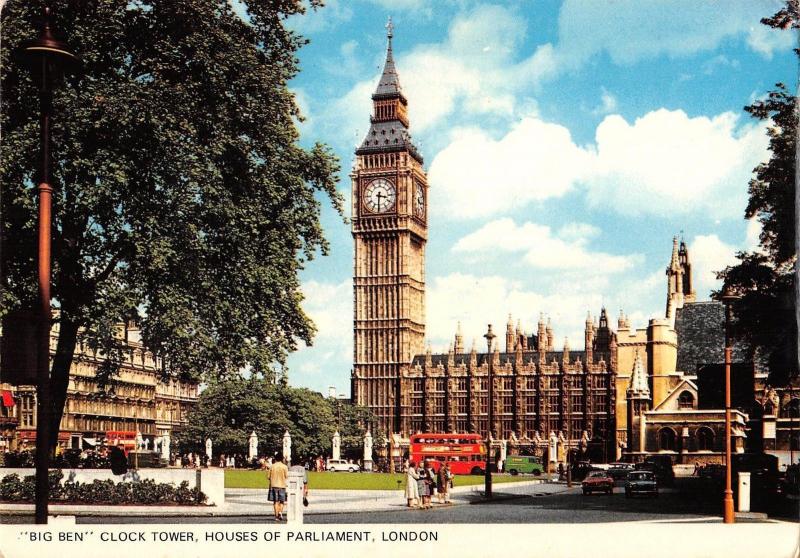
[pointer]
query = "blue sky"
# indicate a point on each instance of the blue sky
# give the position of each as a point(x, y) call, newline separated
point(565, 144)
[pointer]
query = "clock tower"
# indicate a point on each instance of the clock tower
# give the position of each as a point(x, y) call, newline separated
point(390, 212)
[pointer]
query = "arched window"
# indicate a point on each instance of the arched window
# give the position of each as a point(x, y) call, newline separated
point(792, 409)
point(666, 439)
point(685, 400)
point(705, 438)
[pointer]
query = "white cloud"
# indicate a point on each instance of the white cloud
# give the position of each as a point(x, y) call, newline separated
point(752, 241)
point(478, 176)
point(766, 40)
point(664, 163)
point(476, 70)
point(313, 21)
point(542, 249)
point(667, 27)
point(708, 255)
point(608, 103)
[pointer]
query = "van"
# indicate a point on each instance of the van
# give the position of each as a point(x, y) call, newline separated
point(516, 464)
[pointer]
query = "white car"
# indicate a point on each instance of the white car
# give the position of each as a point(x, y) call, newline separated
point(342, 465)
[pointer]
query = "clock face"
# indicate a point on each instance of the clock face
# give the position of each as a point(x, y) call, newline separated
point(419, 200)
point(379, 195)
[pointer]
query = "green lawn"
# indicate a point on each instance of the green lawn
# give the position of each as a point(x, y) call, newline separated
point(235, 478)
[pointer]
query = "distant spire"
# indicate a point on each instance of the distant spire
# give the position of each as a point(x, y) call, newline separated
point(389, 83)
point(674, 259)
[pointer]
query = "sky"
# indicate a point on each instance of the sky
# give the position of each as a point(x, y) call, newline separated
point(566, 143)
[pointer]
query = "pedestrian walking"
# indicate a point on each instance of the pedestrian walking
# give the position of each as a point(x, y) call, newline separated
point(412, 485)
point(278, 474)
point(443, 480)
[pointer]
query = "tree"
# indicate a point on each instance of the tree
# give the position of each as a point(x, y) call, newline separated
point(183, 199)
point(766, 278)
point(228, 411)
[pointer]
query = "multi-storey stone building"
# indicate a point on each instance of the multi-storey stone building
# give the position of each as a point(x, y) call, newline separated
point(136, 399)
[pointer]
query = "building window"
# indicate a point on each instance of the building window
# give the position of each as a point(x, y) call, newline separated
point(666, 439)
point(705, 439)
point(792, 409)
point(685, 400)
point(27, 410)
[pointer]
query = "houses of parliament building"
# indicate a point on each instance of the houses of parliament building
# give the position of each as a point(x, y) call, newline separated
point(629, 392)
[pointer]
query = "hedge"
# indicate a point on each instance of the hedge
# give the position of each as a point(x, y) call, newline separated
point(14, 489)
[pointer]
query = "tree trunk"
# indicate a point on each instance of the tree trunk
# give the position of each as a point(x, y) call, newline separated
point(59, 373)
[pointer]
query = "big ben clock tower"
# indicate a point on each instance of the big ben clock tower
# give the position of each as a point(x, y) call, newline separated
point(390, 195)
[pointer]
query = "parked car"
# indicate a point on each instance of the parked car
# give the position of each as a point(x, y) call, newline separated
point(516, 464)
point(641, 482)
point(342, 465)
point(581, 469)
point(661, 467)
point(619, 471)
point(598, 481)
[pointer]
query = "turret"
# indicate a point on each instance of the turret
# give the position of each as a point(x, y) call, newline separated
point(541, 339)
point(459, 344)
point(565, 354)
point(686, 267)
point(588, 337)
point(510, 336)
point(550, 344)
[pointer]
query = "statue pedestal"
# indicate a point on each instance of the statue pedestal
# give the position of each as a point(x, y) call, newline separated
point(368, 465)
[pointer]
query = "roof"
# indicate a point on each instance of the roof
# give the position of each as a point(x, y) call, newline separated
point(701, 335)
point(441, 358)
point(386, 136)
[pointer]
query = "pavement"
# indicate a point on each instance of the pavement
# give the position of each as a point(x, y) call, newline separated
point(253, 502)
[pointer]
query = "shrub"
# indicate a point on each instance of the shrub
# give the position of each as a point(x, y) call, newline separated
point(14, 489)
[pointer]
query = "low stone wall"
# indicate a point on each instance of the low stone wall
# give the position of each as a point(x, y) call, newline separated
point(212, 481)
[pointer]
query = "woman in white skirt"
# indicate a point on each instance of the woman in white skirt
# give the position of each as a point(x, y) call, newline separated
point(412, 491)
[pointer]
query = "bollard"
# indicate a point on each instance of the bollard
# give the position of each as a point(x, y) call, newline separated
point(744, 492)
point(294, 498)
point(198, 484)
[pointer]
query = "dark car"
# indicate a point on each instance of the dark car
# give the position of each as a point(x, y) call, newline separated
point(581, 469)
point(598, 481)
point(619, 471)
point(641, 482)
point(661, 467)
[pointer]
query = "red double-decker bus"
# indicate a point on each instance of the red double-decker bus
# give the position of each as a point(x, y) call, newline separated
point(466, 453)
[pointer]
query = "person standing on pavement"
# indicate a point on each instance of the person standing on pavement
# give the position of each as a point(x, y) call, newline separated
point(430, 477)
point(443, 480)
point(278, 475)
point(412, 488)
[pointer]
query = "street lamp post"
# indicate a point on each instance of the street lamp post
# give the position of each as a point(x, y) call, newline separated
point(490, 393)
point(46, 57)
point(728, 516)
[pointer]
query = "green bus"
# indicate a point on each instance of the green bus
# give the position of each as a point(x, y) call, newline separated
point(516, 464)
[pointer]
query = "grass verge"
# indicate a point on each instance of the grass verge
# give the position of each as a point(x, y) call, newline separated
point(235, 478)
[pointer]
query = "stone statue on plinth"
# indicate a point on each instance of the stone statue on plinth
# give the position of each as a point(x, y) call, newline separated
point(337, 446)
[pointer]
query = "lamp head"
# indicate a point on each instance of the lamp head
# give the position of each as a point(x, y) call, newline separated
point(47, 57)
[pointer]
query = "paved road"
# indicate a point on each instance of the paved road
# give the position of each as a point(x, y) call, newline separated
point(546, 504)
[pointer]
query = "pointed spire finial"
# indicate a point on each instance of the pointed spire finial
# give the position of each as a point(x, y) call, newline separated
point(390, 31)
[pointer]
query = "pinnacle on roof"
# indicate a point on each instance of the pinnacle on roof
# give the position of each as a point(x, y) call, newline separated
point(639, 386)
point(389, 83)
point(674, 259)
